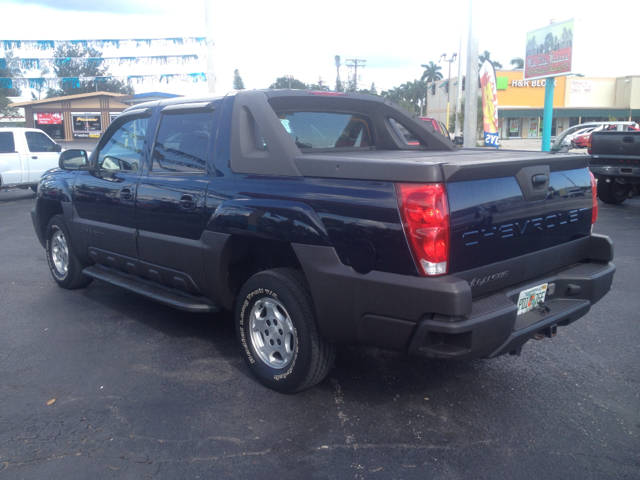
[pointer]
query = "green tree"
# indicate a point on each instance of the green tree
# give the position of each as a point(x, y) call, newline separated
point(431, 72)
point(92, 67)
point(6, 110)
point(238, 84)
point(320, 86)
point(486, 55)
point(40, 88)
point(10, 68)
point(396, 95)
point(517, 62)
point(415, 94)
point(339, 85)
point(369, 91)
point(284, 82)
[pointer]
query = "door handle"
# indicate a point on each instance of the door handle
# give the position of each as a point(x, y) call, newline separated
point(126, 194)
point(34, 158)
point(187, 202)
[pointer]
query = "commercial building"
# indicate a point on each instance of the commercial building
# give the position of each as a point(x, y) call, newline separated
point(576, 100)
point(83, 116)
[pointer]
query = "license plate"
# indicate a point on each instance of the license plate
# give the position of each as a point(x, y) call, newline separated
point(531, 298)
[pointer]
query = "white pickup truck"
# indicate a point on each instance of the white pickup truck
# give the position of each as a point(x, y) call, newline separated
point(25, 154)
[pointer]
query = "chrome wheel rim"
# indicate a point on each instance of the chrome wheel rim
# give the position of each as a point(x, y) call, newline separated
point(272, 333)
point(60, 252)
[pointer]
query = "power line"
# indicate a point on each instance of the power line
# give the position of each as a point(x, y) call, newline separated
point(354, 64)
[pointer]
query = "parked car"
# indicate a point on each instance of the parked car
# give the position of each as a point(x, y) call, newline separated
point(615, 162)
point(558, 145)
point(25, 154)
point(582, 141)
point(314, 218)
point(438, 126)
point(567, 140)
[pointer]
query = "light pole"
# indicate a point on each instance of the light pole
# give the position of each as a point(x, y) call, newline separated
point(450, 61)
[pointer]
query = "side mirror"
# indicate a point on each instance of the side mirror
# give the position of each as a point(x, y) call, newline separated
point(57, 148)
point(73, 159)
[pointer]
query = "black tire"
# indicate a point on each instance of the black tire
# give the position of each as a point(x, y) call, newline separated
point(63, 262)
point(612, 192)
point(277, 330)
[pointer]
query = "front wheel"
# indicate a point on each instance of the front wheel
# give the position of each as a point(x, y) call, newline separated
point(63, 262)
point(613, 192)
point(276, 326)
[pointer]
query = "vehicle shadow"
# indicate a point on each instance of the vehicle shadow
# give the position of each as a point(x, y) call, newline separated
point(15, 195)
point(370, 373)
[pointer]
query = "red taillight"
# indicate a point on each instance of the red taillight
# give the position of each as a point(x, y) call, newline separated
point(594, 211)
point(589, 144)
point(425, 219)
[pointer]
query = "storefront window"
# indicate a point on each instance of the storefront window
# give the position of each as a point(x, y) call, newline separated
point(514, 128)
point(50, 123)
point(532, 128)
point(86, 125)
point(553, 127)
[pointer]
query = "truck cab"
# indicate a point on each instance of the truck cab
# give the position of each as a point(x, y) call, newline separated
point(25, 154)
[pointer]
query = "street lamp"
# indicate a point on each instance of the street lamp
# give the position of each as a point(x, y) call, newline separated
point(450, 61)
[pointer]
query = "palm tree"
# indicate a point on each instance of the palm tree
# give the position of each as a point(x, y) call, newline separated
point(518, 63)
point(487, 56)
point(415, 94)
point(431, 72)
point(395, 94)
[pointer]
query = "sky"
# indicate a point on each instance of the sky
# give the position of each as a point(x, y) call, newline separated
point(265, 40)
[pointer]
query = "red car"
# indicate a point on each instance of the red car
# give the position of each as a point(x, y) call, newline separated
point(437, 125)
point(582, 141)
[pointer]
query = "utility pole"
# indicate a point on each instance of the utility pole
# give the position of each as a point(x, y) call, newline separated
point(458, 127)
point(471, 87)
point(354, 64)
point(450, 61)
point(289, 77)
point(208, 20)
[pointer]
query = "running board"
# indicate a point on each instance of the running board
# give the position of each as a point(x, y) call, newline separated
point(168, 296)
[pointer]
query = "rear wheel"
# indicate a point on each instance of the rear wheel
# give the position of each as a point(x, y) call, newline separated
point(276, 326)
point(63, 262)
point(613, 192)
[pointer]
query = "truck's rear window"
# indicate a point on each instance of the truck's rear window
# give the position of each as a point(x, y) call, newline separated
point(6, 142)
point(327, 129)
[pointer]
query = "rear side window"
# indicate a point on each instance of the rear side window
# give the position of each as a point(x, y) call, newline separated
point(39, 142)
point(182, 143)
point(6, 142)
point(327, 129)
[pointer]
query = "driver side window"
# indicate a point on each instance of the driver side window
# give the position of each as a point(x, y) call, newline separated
point(123, 151)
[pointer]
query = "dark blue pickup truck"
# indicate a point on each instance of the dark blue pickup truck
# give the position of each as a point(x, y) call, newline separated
point(316, 219)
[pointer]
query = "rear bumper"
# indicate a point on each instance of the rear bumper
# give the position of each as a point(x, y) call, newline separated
point(438, 317)
point(494, 328)
point(615, 171)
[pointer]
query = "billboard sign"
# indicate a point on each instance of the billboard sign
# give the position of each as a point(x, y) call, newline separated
point(49, 118)
point(549, 51)
point(489, 103)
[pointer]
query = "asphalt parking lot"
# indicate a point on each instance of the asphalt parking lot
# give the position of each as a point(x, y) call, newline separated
point(100, 383)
